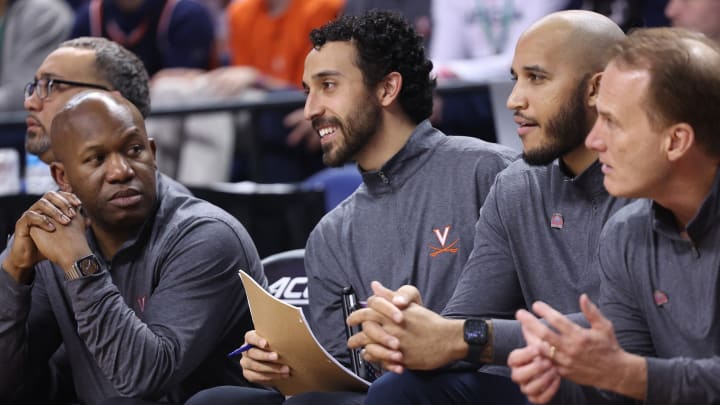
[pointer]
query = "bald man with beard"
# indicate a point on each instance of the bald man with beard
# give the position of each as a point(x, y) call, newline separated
point(536, 238)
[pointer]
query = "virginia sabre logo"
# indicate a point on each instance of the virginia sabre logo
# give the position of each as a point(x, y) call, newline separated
point(442, 238)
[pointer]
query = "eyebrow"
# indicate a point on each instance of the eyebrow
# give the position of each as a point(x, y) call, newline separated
point(535, 69)
point(321, 75)
point(326, 73)
point(128, 135)
point(605, 112)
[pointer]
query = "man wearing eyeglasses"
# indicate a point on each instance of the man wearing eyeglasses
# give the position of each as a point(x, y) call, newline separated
point(77, 65)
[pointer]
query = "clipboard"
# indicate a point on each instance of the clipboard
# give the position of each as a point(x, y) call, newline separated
point(284, 326)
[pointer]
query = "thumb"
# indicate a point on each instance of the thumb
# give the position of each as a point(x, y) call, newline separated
point(525, 317)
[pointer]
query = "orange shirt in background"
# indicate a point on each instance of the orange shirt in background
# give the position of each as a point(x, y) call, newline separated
point(276, 45)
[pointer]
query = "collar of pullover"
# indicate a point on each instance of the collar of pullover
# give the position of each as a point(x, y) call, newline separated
point(590, 181)
point(406, 162)
point(705, 218)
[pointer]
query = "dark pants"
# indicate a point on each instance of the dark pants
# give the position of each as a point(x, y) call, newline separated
point(444, 387)
point(130, 401)
point(232, 395)
point(327, 398)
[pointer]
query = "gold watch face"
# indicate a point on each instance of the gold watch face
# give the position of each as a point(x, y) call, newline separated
point(88, 265)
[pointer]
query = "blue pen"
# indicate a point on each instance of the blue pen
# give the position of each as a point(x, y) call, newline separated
point(240, 349)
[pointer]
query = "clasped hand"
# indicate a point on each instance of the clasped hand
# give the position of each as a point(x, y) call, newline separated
point(587, 356)
point(398, 332)
point(52, 229)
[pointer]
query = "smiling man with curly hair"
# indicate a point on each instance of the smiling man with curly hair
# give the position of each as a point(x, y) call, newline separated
point(369, 96)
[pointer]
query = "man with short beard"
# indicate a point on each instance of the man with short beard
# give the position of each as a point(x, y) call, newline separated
point(536, 237)
point(369, 95)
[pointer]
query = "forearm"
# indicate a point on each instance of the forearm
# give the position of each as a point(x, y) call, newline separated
point(14, 312)
point(683, 381)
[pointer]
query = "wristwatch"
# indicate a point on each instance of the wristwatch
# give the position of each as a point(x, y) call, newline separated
point(475, 334)
point(83, 267)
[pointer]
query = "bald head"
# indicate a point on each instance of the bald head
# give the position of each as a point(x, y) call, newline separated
point(581, 38)
point(85, 113)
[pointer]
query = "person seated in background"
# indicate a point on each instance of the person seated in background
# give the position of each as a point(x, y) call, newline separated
point(267, 46)
point(369, 95)
point(417, 12)
point(75, 66)
point(162, 33)
point(536, 237)
point(473, 41)
point(31, 30)
point(697, 15)
point(136, 280)
point(655, 336)
point(175, 39)
point(270, 36)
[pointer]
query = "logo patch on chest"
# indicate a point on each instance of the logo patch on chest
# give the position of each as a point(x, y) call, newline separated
point(557, 221)
point(442, 237)
point(141, 303)
point(660, 298)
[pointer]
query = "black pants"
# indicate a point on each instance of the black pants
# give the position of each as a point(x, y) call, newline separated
point(444, 387)
point(233, 395)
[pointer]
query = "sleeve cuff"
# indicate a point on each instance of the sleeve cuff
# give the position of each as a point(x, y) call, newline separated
point(14, 297)
point(507, 336)
point(659, 378)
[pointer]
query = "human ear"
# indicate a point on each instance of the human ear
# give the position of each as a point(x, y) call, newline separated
point(57, 170)
point(680, 138)
point(153, 149)
point(389, 88)
point(593, 89)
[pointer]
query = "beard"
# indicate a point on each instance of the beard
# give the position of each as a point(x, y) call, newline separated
point(361, 124)
point(37, 143)
point(566, 130)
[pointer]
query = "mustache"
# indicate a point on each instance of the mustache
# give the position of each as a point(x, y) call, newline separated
point(320, 122)
point(519, 114)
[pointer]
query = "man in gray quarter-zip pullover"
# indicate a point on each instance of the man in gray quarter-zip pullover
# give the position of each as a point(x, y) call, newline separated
point(656, 336)
point(369, 95)
point(139, 286)
point(536, 237)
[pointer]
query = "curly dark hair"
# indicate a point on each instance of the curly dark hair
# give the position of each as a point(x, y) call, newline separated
point(121, 68)
point(386, 43)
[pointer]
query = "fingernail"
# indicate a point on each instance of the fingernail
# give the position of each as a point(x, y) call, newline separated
point(71, 211)
point(64, 219)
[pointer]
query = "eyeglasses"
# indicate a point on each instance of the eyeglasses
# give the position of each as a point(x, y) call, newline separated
point(43, 87)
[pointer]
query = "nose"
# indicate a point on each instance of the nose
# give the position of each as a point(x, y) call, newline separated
point(119, 169)
point(33, 103)
point(312, 107)
point(671, 10)
point(516, 100)
point(594, 140)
